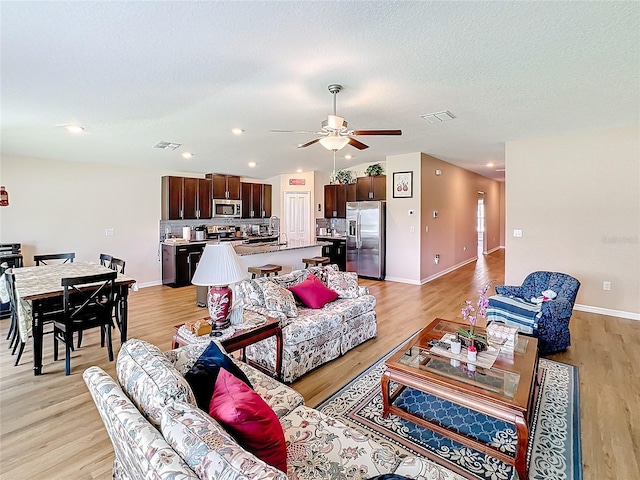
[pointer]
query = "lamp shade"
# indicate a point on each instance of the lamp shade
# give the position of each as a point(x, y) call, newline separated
point(219, 265)
point(334, 142)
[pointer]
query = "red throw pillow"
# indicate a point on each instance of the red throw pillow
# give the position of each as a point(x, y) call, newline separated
point(313, 293)
point(246, 416)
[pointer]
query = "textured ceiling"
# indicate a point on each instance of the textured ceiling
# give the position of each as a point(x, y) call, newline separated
point(135, 73)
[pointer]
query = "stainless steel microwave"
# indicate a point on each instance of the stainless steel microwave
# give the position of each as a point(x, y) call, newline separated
point(227, 208)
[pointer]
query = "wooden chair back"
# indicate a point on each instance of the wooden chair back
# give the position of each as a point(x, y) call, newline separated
point(105, 260)
point(43, 259)
point(117, 264)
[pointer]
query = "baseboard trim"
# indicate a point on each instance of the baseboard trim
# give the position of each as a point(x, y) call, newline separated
point(402, 280)
point(149, 284)
point(607, 311)
point(448, 270)
point(493, 250)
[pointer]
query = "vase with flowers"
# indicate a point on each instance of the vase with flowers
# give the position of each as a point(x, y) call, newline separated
point(468, 336)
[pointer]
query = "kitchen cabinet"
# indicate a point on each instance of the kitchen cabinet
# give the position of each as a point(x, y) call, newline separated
point(225, 186)
point(337, 251)
point(179, 263)
point(256, 200)
point(186, 198)
point(336, 198)
point(371, 188)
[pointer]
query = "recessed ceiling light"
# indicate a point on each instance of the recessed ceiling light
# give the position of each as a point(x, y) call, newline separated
point(237, 131)
point(74, 128)
point(348, 157)
point(252, 164)
point(187, 155)
point(299, 170)
point(490, 164)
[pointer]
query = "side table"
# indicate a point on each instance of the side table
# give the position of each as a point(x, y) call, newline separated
point(244, 338)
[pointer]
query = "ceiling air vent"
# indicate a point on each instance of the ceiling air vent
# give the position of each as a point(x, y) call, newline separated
point(438, 117)
point(167, 145)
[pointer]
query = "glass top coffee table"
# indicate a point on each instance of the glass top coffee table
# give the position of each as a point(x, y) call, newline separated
point(505, 391)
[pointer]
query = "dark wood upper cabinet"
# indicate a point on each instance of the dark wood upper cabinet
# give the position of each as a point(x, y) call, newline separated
point(185, 198)
point(190, 198)
point(245, 196)
point(371, 188)
point(336, 198)
point(267, 192)
point(171, 198)
point(204, 198)
point(225, 186)
point(256, 200)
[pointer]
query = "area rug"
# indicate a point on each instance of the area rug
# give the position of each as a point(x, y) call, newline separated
point(554, 450)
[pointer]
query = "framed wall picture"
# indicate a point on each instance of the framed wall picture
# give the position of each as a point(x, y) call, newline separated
point(402, 184)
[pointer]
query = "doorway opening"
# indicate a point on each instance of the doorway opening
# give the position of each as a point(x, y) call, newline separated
point(482, 239)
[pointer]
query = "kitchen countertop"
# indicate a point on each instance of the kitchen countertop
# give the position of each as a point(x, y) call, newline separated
point(331, 237)
point(252, 249)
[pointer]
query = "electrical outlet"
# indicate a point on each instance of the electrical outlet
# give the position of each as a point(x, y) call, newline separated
point(436, 259)
point(435, 214)
point(412, 229)
point(426, 229)
point(606, 285)
point(517, 233)
point(110, 232)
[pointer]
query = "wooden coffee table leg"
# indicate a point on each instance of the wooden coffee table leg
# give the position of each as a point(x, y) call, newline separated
point(385, 394)
point(522, 436)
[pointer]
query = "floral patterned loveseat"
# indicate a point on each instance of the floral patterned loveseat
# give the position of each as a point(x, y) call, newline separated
point(158, 432)
point(311, 337)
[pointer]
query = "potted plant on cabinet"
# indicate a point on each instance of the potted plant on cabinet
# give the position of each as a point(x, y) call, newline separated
point(374, 170)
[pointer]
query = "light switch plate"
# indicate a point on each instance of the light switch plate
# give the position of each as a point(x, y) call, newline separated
point(517, 233)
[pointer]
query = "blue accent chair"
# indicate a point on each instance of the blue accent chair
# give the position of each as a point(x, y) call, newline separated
point(548, 321)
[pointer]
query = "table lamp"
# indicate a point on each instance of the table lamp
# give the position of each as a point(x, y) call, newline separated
point(219, 267)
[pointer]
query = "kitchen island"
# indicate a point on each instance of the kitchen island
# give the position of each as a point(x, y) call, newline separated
point(288, 255)
point(180, 258)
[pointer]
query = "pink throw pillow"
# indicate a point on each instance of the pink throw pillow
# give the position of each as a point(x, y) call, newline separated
point(247, 417)
point(313, 293)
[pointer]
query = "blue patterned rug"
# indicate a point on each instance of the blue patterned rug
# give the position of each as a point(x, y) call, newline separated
point(554, 452)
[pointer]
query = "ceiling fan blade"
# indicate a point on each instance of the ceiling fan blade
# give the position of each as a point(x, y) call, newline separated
point(358, 144)
point(377, 132)
point(308, 143)
point(295, 131)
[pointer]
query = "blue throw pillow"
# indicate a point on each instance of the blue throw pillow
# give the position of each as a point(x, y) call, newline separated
point(203, 374)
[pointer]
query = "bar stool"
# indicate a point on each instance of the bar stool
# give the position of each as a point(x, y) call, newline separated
point(315, 261)
point(265, 270)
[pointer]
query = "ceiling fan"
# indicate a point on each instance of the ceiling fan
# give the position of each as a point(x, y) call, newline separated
point(334, 134)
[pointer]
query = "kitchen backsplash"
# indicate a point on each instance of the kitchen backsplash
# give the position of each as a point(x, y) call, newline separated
point(175, 226)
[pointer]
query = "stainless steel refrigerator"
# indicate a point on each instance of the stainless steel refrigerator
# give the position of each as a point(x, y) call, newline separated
point(366, 225)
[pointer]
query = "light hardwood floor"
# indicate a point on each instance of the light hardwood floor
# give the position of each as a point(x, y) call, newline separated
point(50, 429)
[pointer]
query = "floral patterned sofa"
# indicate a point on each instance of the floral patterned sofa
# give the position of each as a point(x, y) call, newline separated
point(311, 337)
point(158, 432)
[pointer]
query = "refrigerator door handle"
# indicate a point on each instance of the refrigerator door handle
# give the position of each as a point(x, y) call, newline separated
point(358, 232)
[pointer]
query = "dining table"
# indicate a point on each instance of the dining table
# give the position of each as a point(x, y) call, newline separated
point(40, 295)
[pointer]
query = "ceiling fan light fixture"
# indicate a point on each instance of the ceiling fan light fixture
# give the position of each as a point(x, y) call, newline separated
point(334, 142)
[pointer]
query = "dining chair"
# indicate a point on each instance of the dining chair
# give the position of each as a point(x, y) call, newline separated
point(105, 260)
point(117, 265)
point(85, 307)
point(43, 259)
point(16, 341)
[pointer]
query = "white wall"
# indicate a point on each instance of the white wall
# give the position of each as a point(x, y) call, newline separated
point(58, 206)
point(577, 200)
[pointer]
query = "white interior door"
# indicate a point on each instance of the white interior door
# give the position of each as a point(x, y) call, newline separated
point(297, 216)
